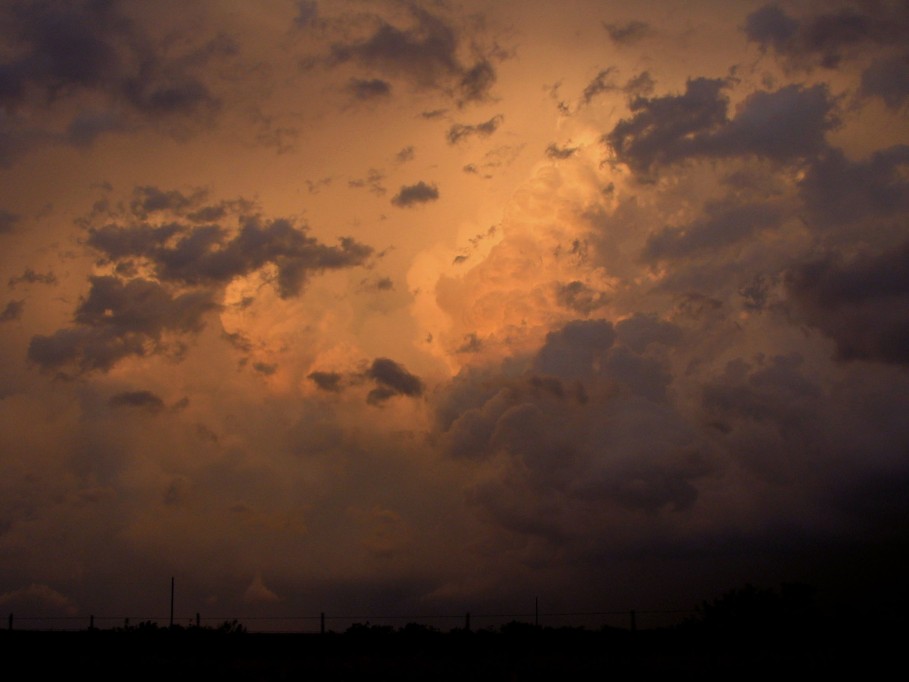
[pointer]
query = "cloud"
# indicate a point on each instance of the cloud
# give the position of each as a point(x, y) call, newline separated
point(406, 154)
point(373, 88)
point(411, 195)
point(29, 276)
point(859, 303)
point(392, 380)
point(553, 151)
point(600, 84)
point(569, 450)
point(579, 297)
point(372, 181)
point(838, 191)
point(137, 399)
point(723, 224)
point(781, 125)
point(460, 131)
point(12, 311)
point(258, 593)
point(92, 62)
point(327, 381)
point(827, 37)
point(426, 53)
point(213, 254)
point(888, 78)
point(627, 33)
point(119, 319)
point(38, 598)
point(7, 220)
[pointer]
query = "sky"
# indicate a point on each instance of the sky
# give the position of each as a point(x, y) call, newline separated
point(438, 306)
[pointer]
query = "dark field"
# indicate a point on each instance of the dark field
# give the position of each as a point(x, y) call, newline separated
point(517, 651)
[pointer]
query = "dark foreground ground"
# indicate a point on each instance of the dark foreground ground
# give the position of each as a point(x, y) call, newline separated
point(513, 652)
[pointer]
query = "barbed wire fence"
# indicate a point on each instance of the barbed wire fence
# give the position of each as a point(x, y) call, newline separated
point(328, 622)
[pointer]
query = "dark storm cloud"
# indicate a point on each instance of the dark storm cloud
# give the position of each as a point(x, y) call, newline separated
point(781, 125)
point(425, 53)
point(828, 37)
point(363, 89)
point(138, 399)
point(460, 131)
point(118, 319)
point(587, 432)
point(391, 380)
point(888, 78)
point(411, 195)
point(838, 191)
point(93, 52)
point(860, 303)
point(640, 330)
point(214, 255)
point(12, 311)
point(723, 224)
point(627, 33)
point(573, 350)
point(7, 220)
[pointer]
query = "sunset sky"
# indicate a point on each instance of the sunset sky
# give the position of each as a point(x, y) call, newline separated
point(434, 306)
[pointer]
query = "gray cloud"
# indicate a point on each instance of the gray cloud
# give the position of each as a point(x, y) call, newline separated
point(553, 151)
point(600, 84)
point(839, 191)
point(391, 380)
point(214, 255)
point(588, 432)
point(782, 125)
point(425, 53)
point(460, 131)
point(12, 311)
point(860, 303)
point(579, 297)
point(828, 37)
point(29, 276)
point(327, 381)
point(627, 33)
point(93, 54)
point(724, 223)
point(373, 88)
point(118, 319)
point(138, 399)
point(7, 220)
point(411, 195)
point(888, 78)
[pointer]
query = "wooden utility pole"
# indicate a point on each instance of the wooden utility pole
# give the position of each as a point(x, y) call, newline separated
point(171, 601)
